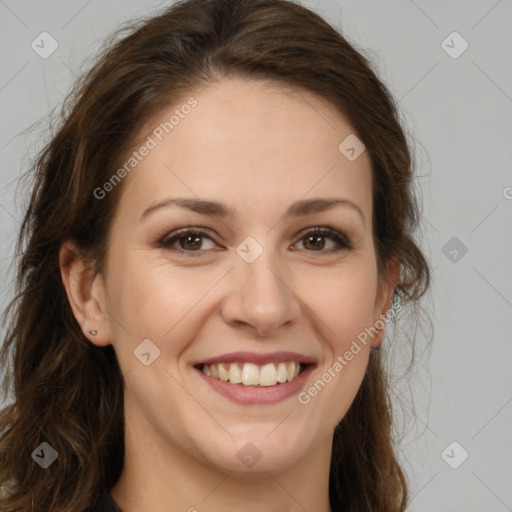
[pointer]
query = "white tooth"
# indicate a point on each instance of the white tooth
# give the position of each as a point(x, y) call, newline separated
point(223, 373)
point(206, 369)
point(290, 370)
point(250, 374)
point(297, 369)
point(214, 371)
point(268, 375)
point(281, 372)
point(235, 374)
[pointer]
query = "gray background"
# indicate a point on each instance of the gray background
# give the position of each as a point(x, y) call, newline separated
point(459, 111)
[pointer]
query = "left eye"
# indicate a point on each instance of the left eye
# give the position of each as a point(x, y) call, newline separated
point(313, 236)
point(190, 242)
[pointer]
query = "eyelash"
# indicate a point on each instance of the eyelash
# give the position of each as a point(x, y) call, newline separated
point(167, 241)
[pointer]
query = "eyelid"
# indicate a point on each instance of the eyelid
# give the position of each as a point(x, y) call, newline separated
point(169, 239)
point(337, 236)
point(333, 233)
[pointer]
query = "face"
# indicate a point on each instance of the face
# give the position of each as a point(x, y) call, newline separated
point(256, 289)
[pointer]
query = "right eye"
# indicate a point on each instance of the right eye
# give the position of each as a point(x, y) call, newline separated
point(189, 241)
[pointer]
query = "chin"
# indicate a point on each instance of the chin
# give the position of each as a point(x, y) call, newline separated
point(256, 451)
point(253, 461)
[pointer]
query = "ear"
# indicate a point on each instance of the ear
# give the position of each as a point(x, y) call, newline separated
point(384, 298)
point(86, 294)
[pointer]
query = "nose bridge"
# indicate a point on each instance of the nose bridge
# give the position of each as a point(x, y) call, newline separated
point(262, 284)
point(260, 295)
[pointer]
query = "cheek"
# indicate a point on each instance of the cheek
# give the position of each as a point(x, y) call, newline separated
point(168, 304)
point(157, 300)
point(343, 306)
point(342, 301)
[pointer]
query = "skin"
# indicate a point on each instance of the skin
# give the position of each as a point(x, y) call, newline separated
point(256, 146)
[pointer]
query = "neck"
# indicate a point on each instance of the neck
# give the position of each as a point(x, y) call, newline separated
point(160, 476)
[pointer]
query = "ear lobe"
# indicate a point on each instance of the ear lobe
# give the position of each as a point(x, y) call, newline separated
point(385, 293)
point(86, 294)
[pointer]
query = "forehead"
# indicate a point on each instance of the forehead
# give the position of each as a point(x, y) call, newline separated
point(246, 141)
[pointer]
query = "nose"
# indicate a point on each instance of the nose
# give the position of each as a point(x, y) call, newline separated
point(260, 297)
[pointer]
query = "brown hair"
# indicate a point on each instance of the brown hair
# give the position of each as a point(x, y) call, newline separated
point(69, 392)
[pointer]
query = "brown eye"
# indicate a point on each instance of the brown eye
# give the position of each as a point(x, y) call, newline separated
point(189, 242)
point(315, 240)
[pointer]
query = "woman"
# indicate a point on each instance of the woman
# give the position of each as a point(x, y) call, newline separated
point(214, 240)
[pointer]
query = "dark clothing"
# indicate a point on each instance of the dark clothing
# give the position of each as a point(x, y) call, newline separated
point(104, 503)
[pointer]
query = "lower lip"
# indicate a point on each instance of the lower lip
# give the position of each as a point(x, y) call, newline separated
point(259, 395)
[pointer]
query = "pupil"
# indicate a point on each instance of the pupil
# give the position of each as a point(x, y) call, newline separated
point(193, 239)
point(313, 237)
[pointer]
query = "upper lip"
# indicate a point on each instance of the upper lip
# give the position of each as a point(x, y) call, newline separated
point(256, 358)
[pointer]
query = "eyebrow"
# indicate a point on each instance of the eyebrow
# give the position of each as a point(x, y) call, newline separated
point(215, 208)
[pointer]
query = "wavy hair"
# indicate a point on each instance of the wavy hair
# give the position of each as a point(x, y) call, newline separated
point(69, 392)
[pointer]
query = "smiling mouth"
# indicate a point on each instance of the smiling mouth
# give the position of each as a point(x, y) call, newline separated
point(249, 374)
